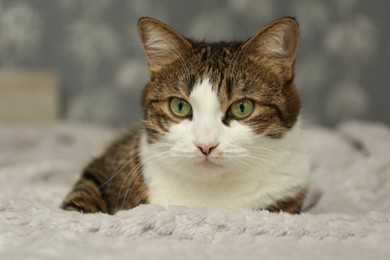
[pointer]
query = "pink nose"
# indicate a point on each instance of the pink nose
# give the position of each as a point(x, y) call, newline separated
point(206, 148)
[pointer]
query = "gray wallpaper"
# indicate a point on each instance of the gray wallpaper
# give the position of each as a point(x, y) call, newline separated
point(342, 66)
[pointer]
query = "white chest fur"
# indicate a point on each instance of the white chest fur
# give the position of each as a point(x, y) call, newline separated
point(281, 174)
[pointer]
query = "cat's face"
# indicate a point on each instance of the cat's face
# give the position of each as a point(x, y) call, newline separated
point(218, 106)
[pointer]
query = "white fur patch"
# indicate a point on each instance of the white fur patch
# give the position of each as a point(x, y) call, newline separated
point(245, 170)
point(206, 126)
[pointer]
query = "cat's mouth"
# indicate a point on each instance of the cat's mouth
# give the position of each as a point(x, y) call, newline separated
point(209, 163)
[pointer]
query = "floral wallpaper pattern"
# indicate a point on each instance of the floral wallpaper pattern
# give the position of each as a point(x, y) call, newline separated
point(342, 66)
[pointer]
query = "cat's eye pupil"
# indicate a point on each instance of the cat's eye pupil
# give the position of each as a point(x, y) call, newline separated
point(180, 105)
point(242, 107)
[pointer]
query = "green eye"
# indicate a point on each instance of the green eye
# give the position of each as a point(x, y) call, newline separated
point(180, 107)
point(241, 108)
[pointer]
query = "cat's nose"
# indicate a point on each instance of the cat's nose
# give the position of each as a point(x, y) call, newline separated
point(206, 148)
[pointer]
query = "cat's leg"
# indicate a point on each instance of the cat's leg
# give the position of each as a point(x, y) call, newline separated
point(108, 190)
point(291, 205)
point(87, 196)
point(111, 182)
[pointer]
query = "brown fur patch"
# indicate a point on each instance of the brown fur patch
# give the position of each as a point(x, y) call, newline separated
point(291, 205)
point(112, 182)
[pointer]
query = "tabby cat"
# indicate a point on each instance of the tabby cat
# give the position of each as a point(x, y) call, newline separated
point(220, 129)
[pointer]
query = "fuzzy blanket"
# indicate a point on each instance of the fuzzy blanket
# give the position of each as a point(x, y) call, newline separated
point(347, 212)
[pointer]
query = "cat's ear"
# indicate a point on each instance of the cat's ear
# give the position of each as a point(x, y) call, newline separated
point(276, 45)
point(162, 44)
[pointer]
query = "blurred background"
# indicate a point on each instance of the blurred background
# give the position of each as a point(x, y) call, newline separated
point(81, 60)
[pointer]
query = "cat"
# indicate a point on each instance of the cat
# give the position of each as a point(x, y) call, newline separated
point(220, 129)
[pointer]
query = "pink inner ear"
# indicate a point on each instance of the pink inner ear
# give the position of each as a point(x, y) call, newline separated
point(279, 39)
point(280, 42)
point(161, 43)
point(290, 43)
point(276, 45)
point(287, 60)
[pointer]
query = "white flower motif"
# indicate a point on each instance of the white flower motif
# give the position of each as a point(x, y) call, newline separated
point(89, 41)
point(347, 100)
point(312, 15)
point(132, 74)
point(91, 8)
point(91, 44)
point(105, 106)
point(258, 10)
point(84, 106)
point(357, 38)
point(155, 9)
point(20, 33)
point(212, 26)
point(312, 72)
point(345, 6)
point(69, 4)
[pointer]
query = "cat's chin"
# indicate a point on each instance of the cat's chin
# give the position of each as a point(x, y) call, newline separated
point(207, 163)
point(206, 169)
point(203, 168)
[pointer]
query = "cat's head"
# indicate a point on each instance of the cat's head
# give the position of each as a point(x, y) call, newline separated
point(214, 104)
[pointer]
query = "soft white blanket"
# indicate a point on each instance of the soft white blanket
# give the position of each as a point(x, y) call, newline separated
point(348, 210)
